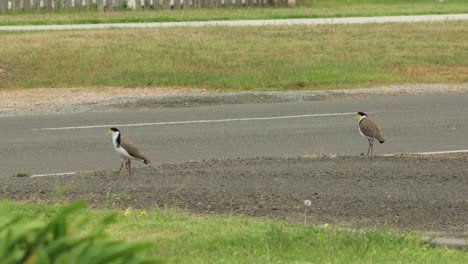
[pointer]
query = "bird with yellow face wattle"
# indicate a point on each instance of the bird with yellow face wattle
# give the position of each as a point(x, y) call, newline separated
point(127, 150)
point(370, 129)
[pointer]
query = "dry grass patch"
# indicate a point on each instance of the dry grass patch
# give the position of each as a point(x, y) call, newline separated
point(428, 72)
point(247, 58)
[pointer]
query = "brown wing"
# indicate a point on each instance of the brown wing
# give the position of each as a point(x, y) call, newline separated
point(132, 149)
point(371, 128)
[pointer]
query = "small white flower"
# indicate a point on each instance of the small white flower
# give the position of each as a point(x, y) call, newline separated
point(307, 203)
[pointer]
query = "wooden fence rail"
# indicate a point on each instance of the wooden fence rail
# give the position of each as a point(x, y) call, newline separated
point(101, 5)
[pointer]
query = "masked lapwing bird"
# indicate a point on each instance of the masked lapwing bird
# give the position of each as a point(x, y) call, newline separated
point(370, 129)
point(126, 149)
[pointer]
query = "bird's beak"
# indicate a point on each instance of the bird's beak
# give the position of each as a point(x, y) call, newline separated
point(109, 132)
point(357, 117)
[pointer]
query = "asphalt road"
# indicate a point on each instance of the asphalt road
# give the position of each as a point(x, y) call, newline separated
point(411, 124)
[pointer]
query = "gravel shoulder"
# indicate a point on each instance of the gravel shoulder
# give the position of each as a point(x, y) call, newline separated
point(426, 194)
point(73, 100)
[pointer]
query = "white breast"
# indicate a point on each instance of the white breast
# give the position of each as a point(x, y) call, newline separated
point(121, 151)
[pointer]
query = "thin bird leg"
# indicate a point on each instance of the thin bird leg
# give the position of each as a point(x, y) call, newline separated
point(368, 149)
point(372, 146)
point(121, 166)
point(129, 168)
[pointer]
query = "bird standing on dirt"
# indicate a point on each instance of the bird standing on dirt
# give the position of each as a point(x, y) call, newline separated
point(370, 129)
point(126, 149)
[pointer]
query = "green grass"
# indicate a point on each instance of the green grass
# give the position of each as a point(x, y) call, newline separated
point(305, 9)
point(56, 240)
point(183, 238)
point(22, 174)
point(238, 58)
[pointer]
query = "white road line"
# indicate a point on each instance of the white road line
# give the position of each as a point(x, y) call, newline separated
point(196, 121)
point(442, 152)
point(54, 174)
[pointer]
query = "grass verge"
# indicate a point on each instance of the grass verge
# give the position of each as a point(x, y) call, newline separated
point(305, 9)
point(238, 58)
point(55, 241)
point(182, 238)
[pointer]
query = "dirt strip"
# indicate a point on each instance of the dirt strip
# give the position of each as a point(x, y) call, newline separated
point(427, 194)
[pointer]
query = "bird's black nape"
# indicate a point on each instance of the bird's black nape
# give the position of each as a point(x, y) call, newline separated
point(114, 129)
point(362, 114)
